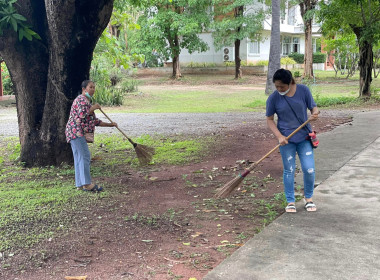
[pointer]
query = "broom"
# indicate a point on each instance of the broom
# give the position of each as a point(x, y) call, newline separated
point(233, 184)
point(144, 153)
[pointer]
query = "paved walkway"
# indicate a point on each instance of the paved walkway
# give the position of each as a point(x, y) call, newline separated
point(339, 241)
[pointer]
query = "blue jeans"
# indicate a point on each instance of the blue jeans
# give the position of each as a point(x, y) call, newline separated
point(306, 156)
point(82, 158)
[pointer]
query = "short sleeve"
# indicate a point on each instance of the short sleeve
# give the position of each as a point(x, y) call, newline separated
point(270, 106)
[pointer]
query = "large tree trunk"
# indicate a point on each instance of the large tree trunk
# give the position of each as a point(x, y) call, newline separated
point(275, 47)
point(47, 73)
point(306, 6)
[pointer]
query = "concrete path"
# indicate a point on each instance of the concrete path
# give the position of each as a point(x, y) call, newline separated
point(339, 241)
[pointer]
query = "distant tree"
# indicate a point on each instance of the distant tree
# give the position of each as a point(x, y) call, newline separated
point(47, 69)
point(362, 17)
point(275, 47)
point(235, 21)
point(344, 48)
point(308, 8)
point(168, 26)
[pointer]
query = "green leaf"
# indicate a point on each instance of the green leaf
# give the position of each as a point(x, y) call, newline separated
point(14, 23)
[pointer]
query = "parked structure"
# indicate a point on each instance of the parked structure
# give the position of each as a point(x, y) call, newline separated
point(292, 40)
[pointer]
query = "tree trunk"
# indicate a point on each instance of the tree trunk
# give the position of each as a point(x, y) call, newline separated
point(365, 64)
point(238, 72)
point(275, 47)
point(306, 6)
point(47, 73)
point(238, 13)
point(176, 66)
point(365, 67)
point(308, 58)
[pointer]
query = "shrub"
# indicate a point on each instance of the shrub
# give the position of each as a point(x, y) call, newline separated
point(287, 61)
point(262, 63)
point(298, 57)
point(317, 57)
point(296, 74)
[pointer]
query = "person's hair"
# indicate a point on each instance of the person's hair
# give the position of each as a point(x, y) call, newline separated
point(85, 83)
point(284, 76)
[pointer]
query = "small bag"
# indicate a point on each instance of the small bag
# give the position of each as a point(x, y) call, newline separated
point(89, 137)
point(313, 139)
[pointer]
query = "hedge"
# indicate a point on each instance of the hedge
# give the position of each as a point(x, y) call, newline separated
point(317, 57)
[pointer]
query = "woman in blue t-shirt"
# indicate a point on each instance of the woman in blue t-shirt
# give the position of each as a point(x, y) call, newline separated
point(290, 102)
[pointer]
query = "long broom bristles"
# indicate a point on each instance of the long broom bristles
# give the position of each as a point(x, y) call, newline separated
point(229, 187)
point(144, 153)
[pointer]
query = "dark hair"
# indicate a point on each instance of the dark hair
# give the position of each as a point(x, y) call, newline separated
point(284, 76)
point(85, 83)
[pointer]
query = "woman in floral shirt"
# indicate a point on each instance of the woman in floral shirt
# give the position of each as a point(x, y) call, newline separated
point(82, 119)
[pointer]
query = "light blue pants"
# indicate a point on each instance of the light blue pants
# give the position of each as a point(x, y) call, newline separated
point(306, 156)
point(82, 159)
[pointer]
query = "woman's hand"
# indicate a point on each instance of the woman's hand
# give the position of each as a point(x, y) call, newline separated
point(113, 124)
point(282, 140)
point(314, 114)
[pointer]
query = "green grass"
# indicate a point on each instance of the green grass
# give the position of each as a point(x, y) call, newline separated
point(192, 95)
point(40, 203)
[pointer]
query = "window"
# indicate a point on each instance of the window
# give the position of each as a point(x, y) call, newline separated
point(286, 45)
point(254, 47)
point(292, 15)
point(314, 42)
point(296, 45)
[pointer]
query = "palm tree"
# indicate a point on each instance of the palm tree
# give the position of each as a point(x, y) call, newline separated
point(275, 46)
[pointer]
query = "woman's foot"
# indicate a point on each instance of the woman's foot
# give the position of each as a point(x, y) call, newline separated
point(291, 208)
point(310, 206)
point(92, 188)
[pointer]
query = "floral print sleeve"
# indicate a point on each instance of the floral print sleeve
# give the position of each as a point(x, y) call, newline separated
point(80, 121)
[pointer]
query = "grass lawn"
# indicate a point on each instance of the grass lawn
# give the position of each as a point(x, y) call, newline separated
point(196, 94)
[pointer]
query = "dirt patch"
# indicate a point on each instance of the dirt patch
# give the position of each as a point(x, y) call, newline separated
point(162, 222)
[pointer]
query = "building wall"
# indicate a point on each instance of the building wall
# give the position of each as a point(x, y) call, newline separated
point(293, 30)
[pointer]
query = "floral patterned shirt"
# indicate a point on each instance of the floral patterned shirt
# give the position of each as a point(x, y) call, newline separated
point(80, 121)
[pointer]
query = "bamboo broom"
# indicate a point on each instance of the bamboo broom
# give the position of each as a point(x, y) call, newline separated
point(233, 184)
point(144, 153)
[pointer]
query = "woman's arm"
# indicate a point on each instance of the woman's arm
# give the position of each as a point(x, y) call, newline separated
point(112, 124)
point(272, 125)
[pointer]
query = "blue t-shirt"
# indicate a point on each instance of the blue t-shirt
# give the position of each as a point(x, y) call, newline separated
point(287, 121)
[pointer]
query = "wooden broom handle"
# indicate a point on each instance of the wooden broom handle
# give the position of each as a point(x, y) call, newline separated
point(122, 132)
point(253, 165)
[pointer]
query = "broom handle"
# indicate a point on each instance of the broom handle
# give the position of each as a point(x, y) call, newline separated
point(122, 132)
point(253, 165)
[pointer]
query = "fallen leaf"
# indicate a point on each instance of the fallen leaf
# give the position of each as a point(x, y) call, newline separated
point(186, 243)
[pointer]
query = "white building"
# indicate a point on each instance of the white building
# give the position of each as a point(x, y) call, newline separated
point(292, 40)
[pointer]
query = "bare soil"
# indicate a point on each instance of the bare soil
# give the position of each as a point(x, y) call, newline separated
point(162, 222)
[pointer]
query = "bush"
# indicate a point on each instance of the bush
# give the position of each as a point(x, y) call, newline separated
point(317, 57)
point(298, 57)
point(287, 61)
point(262, 63)
point(111, 87)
